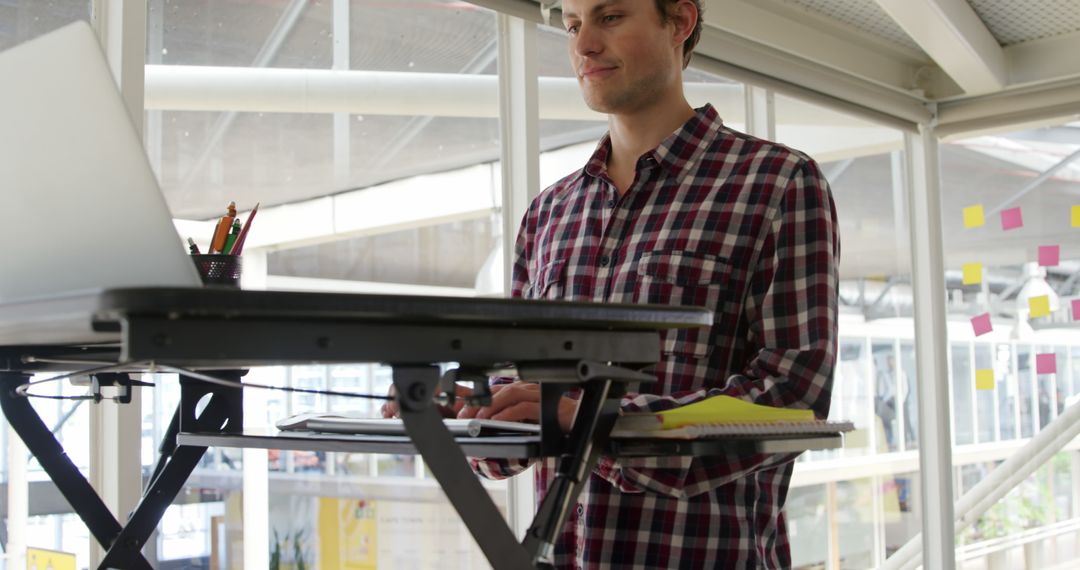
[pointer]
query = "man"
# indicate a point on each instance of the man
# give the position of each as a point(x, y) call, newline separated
point(675, 208)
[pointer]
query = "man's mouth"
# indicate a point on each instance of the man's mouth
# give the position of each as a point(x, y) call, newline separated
point(596, 71)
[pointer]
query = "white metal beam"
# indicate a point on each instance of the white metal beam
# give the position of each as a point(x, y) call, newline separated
point(274, 90)
point(955, 37)
point(830, 46)
point(1043, 104)
point(762, 66)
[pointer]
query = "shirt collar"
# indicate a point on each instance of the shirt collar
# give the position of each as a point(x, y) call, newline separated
point(680, 149)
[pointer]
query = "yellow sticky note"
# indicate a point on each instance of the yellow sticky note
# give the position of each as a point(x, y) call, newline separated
point(973, 216)
point(1076, 216)
point(984, 379)
point(1039, 306)
point(972, 273)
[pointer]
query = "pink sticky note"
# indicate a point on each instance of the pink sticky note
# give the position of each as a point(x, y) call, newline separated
point(1046, 363)
point(981, 324)
point(1011, 219)
point(1076, 309)
point(1049, 255)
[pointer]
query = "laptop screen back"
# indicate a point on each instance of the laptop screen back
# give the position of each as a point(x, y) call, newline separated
point(80, 208)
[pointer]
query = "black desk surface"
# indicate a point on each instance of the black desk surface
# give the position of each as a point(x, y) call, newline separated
point(96, 316)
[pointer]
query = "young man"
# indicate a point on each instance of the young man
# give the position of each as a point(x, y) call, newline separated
point(675, 208)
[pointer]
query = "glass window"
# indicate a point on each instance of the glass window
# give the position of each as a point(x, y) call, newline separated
point(1025, 369)
point(963, 415)
point(909, 382)
point(856, 522)
point(1074, 374)
point(886, 390)
point(986, 424)
point(1005, 385)
point(1046, 386)
point(22, 20)
point(852, 396)
point(808, 526)
point(389, 230)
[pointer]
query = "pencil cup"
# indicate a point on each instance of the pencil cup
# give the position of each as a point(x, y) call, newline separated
point(218, 270)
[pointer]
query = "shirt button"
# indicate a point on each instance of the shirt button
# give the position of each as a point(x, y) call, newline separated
point(580, 510)
point(611, 203)
point(604, 260)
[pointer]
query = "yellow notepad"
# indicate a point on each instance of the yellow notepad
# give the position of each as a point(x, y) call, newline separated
point(714, 410)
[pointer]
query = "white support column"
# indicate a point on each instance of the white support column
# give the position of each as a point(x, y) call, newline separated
point(18, 503)
point(115, 429)
point(931, 354)
point(931, 349)
point(121, 29)
point(255, 470)
point(760, 112)
point(342, 126)
point(256, 485)
point(519, 119)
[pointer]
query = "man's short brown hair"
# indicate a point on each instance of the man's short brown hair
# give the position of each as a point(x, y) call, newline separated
point(688, 46)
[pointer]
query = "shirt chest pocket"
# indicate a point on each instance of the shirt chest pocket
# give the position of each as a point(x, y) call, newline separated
point(548, 283)
point(686, 279)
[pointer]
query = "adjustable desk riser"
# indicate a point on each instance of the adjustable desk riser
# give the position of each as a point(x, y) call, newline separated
point(559, 345)
point(231, 330)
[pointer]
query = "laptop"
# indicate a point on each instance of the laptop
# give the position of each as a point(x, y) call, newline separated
point(329, 422)
point(80, 208)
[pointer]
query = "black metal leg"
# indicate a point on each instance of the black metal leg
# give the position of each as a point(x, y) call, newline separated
point(50, 454)
point(166, 448)
point(597, 411)
point(415, 386)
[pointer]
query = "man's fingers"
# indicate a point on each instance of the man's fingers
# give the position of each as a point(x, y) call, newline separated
point(520, 412)
point(510, 395)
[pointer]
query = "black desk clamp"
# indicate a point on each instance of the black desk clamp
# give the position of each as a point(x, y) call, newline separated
point(120, 380)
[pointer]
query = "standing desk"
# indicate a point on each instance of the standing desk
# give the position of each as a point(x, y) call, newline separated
point(215, 334)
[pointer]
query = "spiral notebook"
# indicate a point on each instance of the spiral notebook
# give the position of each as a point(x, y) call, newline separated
point(724, 416)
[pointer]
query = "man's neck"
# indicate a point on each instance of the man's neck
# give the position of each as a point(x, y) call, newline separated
point(635, 134)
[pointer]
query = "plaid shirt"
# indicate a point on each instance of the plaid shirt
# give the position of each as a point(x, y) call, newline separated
point(719, 219)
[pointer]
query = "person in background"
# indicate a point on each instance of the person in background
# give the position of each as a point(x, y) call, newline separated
point(676, 208)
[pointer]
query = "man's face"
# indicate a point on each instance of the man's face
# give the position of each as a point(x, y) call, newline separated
point(625, 56)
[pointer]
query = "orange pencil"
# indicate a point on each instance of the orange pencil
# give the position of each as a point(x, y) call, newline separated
point(217, 245)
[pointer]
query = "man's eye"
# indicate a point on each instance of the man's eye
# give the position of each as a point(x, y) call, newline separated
point(571, 30)
point(611, 18)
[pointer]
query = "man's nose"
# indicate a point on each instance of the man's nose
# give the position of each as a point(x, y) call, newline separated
point(587, 41)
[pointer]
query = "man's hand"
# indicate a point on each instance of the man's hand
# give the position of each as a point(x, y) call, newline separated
point(390, 409)
point(520, 402)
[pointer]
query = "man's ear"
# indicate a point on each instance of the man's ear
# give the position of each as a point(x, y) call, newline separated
point(683, 16)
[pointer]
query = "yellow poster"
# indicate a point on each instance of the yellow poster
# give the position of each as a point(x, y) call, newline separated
point(41, 559)
point(347, 534)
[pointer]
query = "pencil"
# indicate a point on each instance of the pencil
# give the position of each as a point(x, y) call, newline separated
point(238, 246)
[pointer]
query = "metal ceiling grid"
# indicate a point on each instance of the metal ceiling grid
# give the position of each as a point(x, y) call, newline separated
point(1013, 22)
point(863, 15)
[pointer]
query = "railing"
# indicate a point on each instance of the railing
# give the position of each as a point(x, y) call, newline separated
point(1029, 539)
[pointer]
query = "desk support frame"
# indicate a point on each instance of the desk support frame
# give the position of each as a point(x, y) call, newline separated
point(71, 483)
point(123, 542)
point(416, 386)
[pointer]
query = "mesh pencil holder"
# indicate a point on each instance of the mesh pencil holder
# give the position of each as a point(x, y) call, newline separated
point(218, 270)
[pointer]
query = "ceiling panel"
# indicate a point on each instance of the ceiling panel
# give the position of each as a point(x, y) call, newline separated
point(1013, 22)
point(863, 15)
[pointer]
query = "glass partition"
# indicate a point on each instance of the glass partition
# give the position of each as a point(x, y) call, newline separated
point(1011, 266)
